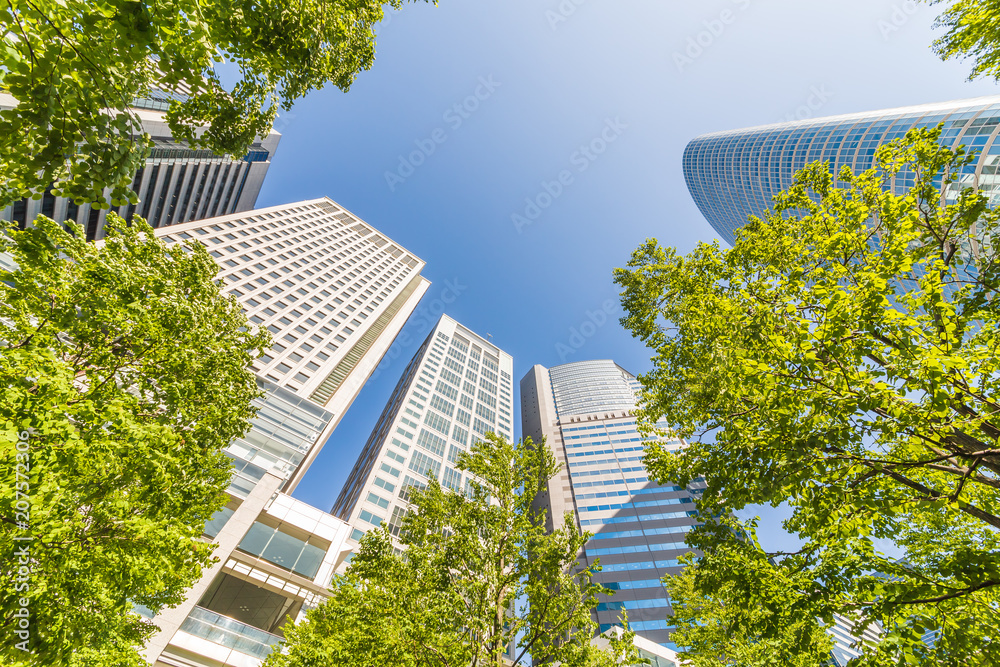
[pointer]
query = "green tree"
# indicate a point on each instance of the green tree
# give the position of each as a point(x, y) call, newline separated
point(125, 373)
point(972, 31)
point(842, 358)
point(478, 575)
point(74, 67)
point(720, 628)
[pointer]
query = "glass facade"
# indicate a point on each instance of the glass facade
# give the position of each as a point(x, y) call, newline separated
point(230, 633)
point(638, 525)
point(284, 550)
point(732, 175)
point(285, 428)
point(592, 386)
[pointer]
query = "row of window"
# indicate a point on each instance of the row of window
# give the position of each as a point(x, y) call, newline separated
point(610, 482)
point(605, 471)
point(618, 460)
point(637, 548)
point(632, 585)
point(615, 605)
point(641, 626)
point(627, 492)
point(641, 532)
point(648, 503)
point(571, 429)
point(659, 516)
point(598, 452)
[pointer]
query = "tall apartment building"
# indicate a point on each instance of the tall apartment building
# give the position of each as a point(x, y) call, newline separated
point(177, 184)
point(585, 412)
point(732, 175)
point(457, 388)
point(334, 293)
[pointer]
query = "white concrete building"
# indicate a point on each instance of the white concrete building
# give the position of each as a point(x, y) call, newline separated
point(457, 388)
point(334, 293)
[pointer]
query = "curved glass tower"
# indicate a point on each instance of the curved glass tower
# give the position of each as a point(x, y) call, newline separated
point(732, 175)
point(592, 386)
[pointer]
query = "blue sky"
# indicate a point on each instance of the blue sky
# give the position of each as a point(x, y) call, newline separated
point(535, 83)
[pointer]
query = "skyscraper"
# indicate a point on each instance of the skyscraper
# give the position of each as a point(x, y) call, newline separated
point(734, 174)
point(585, 412)
point(177, 184)
point(334, 293)
point(456, 389)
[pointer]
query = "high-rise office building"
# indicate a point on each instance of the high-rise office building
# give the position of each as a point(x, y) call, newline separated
point(585, 412)
point(177, 183)
point(334, 293)
point(732, 175)
point(456, 389)
point(847, 635)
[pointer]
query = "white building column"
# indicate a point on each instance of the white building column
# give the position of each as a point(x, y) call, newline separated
point(170, 620)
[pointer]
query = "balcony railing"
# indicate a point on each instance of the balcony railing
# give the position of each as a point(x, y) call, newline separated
point(230, 633)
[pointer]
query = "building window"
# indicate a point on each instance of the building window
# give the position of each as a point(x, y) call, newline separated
point(442, 405)
point(370, 518)
point(396, 520)
point(422, 464)
point(437, 422)
point(283, 550)
point(431, 442)
point(452, 479)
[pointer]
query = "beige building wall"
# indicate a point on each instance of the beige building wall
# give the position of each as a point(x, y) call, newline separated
point(334, 293)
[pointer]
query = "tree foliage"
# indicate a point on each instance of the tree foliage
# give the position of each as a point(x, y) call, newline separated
point(721, 633)
point(842, 358)
point(972, 31)
point(125, 373)
point(478, 576)
point(74, 68)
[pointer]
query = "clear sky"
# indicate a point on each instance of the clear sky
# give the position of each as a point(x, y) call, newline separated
point(534, 81)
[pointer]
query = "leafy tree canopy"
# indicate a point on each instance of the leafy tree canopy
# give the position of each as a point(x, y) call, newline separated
point(74, 68)
point(972, 31)
point(124, 373)
point(842, 358)
point(720, 633)
point(478, 576)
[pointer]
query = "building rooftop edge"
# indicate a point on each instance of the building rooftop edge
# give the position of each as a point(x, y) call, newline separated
point(482, 340)
point(184, 226)
point(587, 361)
point(857, 115)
